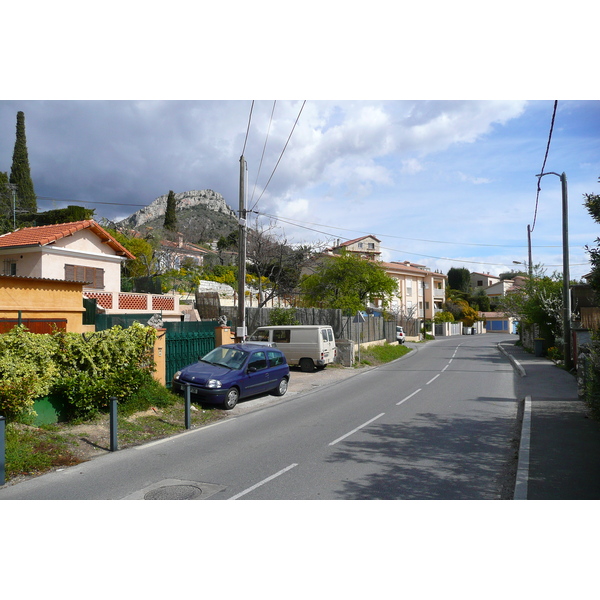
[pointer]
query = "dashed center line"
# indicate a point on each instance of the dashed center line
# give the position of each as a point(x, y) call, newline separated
point(408, 397)
point(250, 489)
point(356, 429)
point(433, 379)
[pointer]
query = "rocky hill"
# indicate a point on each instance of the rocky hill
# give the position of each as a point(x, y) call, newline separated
point(202, 216)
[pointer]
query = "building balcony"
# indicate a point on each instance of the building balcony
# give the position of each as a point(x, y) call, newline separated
point(113, 302)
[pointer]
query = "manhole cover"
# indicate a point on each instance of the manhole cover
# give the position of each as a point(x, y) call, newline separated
point(174, 492)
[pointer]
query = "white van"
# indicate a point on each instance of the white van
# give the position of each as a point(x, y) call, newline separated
point(308, 346)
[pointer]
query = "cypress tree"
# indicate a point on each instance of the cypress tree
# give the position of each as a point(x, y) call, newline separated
point(170, 214)
point(20, 173)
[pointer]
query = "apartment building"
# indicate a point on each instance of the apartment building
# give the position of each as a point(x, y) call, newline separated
point(421, 292)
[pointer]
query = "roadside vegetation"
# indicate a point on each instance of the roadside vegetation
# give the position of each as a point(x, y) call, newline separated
point(379, 355)
point(150, 412)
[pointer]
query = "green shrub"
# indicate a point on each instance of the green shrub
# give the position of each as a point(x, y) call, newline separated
point(86, 370)
point(150, 394)
point(283, 316)
point(591, 377)
point(27, 371)
point(115, 362)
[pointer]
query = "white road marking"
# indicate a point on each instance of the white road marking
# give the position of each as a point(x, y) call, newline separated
point(433, 379)
point(408, 397)
point(355, 430)
point(445, 368)
point(250, 489)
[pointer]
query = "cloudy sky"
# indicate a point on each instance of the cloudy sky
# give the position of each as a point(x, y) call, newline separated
point(449, 180)
point(440, 183)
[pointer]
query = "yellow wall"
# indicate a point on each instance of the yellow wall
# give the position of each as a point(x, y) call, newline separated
point(42, 299)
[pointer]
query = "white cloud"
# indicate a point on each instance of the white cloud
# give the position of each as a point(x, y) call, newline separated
point(474, 180)
point(411, 166)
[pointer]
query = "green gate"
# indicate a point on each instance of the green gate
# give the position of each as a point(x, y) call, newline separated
point(186, 342)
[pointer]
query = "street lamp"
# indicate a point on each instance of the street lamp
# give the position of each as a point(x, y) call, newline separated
point(566, 295)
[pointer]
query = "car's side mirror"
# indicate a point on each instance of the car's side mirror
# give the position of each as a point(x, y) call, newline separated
point(251, 369)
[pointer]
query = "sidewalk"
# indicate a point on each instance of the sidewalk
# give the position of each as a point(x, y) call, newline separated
point(559, 457)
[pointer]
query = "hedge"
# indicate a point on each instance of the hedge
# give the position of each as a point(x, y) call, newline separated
point(85, 369)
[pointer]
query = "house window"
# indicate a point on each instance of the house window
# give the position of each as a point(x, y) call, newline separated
point(371, 246)
point(360, 245)
point(10, 267)
point(91, 276)
point(480, 283)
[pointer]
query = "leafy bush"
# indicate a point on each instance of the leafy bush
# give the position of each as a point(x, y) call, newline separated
point(114, 362)
point(283, 316)
point(27, 370)
point(588, 375)
point(86, 370)
point(150, 394)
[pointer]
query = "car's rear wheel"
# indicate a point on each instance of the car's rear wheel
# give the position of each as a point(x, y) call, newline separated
point(307, 365)
point(282, 388)
point(231, 399)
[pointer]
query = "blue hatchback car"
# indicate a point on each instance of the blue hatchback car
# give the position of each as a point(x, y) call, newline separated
point(234, 371)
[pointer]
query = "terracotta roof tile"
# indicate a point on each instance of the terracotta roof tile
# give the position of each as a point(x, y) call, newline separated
point(46, 234)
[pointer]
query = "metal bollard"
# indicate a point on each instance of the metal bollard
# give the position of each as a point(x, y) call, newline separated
point(188, 420)
point(113, 424)
point(2, 450)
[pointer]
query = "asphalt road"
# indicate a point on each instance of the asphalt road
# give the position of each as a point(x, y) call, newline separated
point(440, 423)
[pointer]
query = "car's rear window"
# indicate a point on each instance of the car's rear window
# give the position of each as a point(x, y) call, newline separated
point(275, 358)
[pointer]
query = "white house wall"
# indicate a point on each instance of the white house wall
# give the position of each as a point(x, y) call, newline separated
point(83, 249)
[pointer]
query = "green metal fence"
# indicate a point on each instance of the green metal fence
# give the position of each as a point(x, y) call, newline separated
point(186, 343)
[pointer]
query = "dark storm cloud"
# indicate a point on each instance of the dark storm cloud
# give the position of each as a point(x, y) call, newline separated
point(127, 153)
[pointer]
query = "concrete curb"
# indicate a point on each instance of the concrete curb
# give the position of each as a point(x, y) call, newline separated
point(516, 364)
point(522, 478)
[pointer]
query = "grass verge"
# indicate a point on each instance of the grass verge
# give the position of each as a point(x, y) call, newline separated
point(379, 355)
point(152, 413)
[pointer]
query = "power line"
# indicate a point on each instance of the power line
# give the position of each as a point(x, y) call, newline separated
point(248, 127)
point(458, 260)
point(297, 222)
point(86, 201)
point(281, 155)
point(539, 185)
point(263, 152)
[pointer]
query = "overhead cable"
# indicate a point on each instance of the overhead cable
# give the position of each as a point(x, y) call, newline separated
point(539, 185)
point(248, 127)
point(281, 155)
point(263, 153)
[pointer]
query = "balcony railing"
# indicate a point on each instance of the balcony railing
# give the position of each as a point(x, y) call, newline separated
point(131, 301)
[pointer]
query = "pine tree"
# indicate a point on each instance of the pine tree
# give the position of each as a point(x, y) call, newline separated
point(170, 214)
point(20, 174)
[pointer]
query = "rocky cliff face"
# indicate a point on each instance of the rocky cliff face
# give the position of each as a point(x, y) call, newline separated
point(184, 200)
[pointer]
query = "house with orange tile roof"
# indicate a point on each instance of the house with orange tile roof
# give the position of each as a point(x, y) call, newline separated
point(84, 252)
point(79, 251)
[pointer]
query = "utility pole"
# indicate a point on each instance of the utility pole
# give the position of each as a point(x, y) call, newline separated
point(530, 265)
point(241, 328)
point(13, 188)
point(568, 357)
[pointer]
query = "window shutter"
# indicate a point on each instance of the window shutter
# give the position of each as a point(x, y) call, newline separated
point(91, 276)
